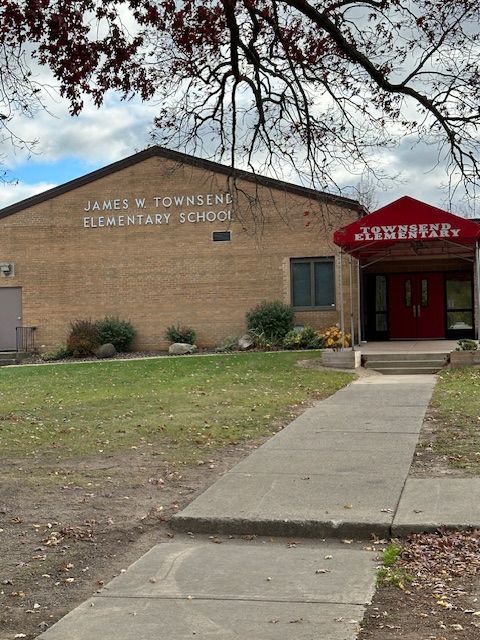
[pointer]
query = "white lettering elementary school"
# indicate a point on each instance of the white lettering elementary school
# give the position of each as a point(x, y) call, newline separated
point(153, 218)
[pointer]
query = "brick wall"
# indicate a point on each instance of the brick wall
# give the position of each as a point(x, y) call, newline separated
point(158, 274)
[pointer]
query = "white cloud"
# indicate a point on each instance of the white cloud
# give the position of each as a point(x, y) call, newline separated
point(11, 192)
point(119, 128)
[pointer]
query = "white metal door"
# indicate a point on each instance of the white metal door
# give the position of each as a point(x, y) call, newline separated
point(10, 317)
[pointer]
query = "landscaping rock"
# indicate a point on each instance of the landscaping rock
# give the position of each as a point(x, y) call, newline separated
point(245, 342)
point(106, 351)
point(181, 348)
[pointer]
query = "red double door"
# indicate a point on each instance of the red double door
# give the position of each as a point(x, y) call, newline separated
point(416, 306)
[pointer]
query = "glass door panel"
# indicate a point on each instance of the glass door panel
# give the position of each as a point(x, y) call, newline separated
point(459, 293)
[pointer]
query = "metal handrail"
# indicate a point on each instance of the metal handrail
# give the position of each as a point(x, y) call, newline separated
point(25, 339)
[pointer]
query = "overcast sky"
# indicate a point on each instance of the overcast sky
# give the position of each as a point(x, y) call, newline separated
point(68, 147)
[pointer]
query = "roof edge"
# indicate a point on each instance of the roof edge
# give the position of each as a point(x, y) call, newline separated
point(163, 152)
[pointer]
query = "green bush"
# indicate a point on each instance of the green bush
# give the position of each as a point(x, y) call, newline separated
point(467, 345)
point(272, 320)
point(305, 338)
point(118, 332)
point(179, 333)
point(83, 338)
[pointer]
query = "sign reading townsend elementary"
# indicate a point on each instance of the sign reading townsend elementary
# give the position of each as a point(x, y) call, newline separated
point(408, 232)
point(404, 221)
point(210, 207)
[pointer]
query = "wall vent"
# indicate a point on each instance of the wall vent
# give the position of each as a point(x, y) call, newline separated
point(221, 236)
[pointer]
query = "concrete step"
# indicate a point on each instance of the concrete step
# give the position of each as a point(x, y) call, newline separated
point(407, 356)
point(11, 357)
point(374, 364)
point(406, 370)
point(406, 363)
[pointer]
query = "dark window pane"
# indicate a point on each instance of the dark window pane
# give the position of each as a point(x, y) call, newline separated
point(380, 294)
point(459, 320)
point(324, 284)
point(381, 322)
point(459, 294)
point(424, 292)
point(301, 284)
point(221, 236)
point(408, 293)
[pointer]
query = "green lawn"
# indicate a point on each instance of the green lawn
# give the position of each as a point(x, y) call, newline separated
point(456, 405)
point(179, 406)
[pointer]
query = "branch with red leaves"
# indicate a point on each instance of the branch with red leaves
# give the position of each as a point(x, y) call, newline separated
point(317, 84)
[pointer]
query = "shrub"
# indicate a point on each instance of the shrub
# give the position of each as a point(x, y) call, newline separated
point(60, 353)
point(306, 338)
point(228, 345)
point(179, 333)
point(273, 320)
point(83, 339)
point(333, 338)
point(118, 332)
point(260, 340)
point(467, 345)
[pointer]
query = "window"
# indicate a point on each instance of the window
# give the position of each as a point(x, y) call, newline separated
point(459, 303)
point(313, 282)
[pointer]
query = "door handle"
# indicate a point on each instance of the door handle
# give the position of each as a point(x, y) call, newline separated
point(418, 311)
point(414, 309)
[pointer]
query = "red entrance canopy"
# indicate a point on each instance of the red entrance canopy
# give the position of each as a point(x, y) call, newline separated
point(405, 220)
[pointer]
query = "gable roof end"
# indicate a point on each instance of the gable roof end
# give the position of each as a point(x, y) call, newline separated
point(162, 152)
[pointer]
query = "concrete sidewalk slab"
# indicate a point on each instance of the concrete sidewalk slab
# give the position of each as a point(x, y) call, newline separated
point(238, 589)
point(357, 418)
point(248, 570)
point(321, 506)
point(143, 619)
point(333, 461)
point(359, 421)
point(428, 503)
point(412, 395)
point(352, 441)
point(336, 486)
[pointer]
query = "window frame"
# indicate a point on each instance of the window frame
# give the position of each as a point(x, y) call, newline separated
point(312, 262)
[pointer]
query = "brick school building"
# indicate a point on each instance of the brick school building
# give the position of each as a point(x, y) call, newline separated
point(162, 237)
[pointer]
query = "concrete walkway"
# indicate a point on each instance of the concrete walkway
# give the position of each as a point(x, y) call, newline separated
point(338, 471)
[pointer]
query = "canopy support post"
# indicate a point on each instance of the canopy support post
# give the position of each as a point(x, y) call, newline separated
point(359, 305)
point(342, 310)
point(350, 286)
point(477, 263)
